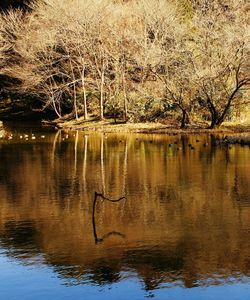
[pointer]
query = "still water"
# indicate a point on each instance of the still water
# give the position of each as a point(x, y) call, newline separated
point(183, 231)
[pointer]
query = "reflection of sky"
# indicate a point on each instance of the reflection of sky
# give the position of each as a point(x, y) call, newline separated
point(30, 283)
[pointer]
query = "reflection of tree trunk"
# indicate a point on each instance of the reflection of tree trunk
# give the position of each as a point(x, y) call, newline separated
point(54, 147)
point(184, 142)
point(125, 167)
point(102, 164)
point(227, 156)
point(213, 148)
point(236, 185)
point(125, 172)
point(75, 149)
point(76, 135)
point(237, 194)
point(85, 161)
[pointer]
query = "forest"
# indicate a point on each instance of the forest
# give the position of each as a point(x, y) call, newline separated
point(182, 62)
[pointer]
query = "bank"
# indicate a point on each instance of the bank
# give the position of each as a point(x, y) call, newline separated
point(109, 126)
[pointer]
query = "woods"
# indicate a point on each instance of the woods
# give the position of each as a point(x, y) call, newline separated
point(138, 60)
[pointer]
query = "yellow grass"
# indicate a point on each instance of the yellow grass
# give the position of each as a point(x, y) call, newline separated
point(108, 125)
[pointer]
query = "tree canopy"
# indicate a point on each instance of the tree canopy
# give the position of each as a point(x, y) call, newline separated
point(139, 60)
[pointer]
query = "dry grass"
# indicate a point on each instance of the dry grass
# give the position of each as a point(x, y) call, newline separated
point(109, 126)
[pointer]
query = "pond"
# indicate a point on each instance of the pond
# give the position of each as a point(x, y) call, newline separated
point(183, 231)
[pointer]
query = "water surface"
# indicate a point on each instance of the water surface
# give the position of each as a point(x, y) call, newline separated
point(182, 232)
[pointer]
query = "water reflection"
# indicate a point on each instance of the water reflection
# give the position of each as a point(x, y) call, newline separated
point(186, 220)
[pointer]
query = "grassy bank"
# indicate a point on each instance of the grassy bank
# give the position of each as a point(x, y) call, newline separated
point(109, 126)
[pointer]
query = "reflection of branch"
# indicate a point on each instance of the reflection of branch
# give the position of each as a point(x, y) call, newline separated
point(107, 235)
point(113, 233)
point(100, 240)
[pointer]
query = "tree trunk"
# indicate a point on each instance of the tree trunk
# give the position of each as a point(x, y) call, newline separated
point(74, 90)
point(213, 122)
point(185, 118)
point(219, 122)
point(85, 104)
point(101, 95)
point(54, 106)
point(125, 114)
point(54, 102)
point(75, 102)
point(213, 114)
point(216, 119)
point(84, 99)
point(230, 100)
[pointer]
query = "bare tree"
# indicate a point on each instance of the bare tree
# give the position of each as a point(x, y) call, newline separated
point(221, 48)
point(134, 57)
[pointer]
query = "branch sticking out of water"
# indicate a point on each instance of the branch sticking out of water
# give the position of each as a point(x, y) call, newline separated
point(100, 240)
point(108, 199)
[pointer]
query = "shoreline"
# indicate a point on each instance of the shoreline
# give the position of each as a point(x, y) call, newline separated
point(107, 126)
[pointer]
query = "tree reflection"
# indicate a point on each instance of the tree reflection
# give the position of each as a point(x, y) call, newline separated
point(181, 222)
